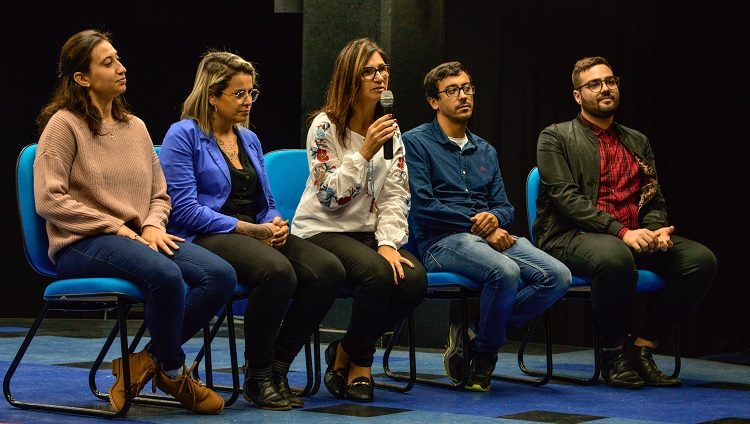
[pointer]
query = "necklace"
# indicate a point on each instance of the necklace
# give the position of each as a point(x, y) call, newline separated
point(107, 131)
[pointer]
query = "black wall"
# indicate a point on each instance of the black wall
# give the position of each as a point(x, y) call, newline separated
point(682, 85)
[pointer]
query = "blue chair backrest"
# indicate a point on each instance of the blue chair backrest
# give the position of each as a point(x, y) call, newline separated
point(33, 226)
point(647, 280)
point(287, 171)
point(532, 192)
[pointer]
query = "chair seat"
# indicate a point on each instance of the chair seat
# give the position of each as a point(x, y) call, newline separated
point(93, 289)
point(647, 282)
point(448, 280)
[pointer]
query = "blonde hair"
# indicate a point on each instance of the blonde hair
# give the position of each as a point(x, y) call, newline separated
point(214, 72)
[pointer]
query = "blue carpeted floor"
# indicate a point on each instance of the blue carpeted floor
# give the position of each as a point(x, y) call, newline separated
point(56, 370)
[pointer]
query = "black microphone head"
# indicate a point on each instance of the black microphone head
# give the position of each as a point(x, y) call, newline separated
point(386, 99)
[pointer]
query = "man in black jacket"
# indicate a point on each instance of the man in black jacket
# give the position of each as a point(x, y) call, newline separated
point(601, 212)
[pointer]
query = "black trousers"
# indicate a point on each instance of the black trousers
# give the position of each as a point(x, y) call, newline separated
point(378, 304)
point(687, 267)
point(296, 284)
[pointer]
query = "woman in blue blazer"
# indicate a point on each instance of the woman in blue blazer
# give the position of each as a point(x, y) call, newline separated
point(221, 201)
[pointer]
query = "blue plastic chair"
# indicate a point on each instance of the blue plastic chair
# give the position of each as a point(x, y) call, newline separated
point(648, 282)
point(74, 294)
point(288, 171)
point(453, 286)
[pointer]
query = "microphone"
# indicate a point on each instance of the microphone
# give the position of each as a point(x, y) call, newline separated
point(386, 100)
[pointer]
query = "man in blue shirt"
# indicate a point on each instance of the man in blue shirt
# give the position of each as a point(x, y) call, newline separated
point(460, 217)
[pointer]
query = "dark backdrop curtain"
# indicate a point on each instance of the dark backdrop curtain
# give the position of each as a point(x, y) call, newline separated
point(682, 86)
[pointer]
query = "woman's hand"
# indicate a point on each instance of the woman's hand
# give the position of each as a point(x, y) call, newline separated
point(273, 233)
point(395, 259)
point(152, 237)
point(159, 239)
point(377, 134)
point(282, 233)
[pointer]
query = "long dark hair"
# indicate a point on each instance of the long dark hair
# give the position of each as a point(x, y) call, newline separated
point(345, 83)
point(76, 57)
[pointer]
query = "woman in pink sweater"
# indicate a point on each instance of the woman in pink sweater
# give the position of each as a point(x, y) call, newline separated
point(99, 186)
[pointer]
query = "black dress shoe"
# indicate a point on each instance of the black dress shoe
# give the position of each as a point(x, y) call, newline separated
point(617, 372)
point(335, 379)
point(360, 390)
point(282, 386)
point(641, 359)
point(264, 395)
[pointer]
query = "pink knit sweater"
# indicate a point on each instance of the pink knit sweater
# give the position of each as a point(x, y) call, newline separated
point(86, 184)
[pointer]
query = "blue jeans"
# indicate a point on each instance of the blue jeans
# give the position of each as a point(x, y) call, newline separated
point(173, 315)
point(520, 282)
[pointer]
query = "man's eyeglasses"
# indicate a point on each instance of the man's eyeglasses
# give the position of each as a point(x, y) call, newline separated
point(368, 72)
point(596, 85)
point(452, 91)
point(241, 95)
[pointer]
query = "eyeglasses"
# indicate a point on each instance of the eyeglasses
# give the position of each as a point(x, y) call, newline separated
point(596, 85)
point(241, 95)
point(452, 91)
point(368, 72)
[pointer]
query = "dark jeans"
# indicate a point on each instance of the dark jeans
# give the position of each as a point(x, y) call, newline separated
point(172, 316)
point(301, 273)
point(687, 267)
point(378, 304)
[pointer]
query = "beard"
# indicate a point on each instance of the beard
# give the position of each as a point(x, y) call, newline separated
point(594, 108)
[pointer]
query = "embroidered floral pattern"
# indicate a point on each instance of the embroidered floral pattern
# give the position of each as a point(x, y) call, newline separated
point(650, 182)
point(319, 153)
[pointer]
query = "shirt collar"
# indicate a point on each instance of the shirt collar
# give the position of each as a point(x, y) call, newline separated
point(597, 129)
point(443, 138)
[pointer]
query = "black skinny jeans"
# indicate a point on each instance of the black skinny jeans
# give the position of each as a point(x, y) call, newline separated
point(301, 273)
point(687, 267)
point(377, 303)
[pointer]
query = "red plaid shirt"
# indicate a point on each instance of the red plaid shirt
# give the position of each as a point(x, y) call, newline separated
point(619, 181)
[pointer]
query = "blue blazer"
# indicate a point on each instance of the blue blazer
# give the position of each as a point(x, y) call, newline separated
point(198, 180)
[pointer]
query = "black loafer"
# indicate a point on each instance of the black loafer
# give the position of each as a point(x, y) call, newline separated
point(335, 379)
point(617, 372)
point(360, 390)
point(642, 360)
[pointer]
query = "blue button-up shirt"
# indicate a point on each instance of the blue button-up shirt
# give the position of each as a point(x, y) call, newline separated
point(450, 185)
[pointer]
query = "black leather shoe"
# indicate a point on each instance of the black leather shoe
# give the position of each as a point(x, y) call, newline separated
point(282, 386)
point(360, 390)
point(264, 395)
point(617, 372)
point(641, 359)
point(335, 379)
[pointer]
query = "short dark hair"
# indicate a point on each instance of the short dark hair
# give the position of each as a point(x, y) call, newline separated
point(584, 65)
point(439, 73)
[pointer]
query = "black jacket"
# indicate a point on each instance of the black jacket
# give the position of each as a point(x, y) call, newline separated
point(568, 161)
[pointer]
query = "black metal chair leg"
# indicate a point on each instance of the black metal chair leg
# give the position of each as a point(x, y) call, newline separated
point(64, 408)
point(414, 378)
point(411, 380)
